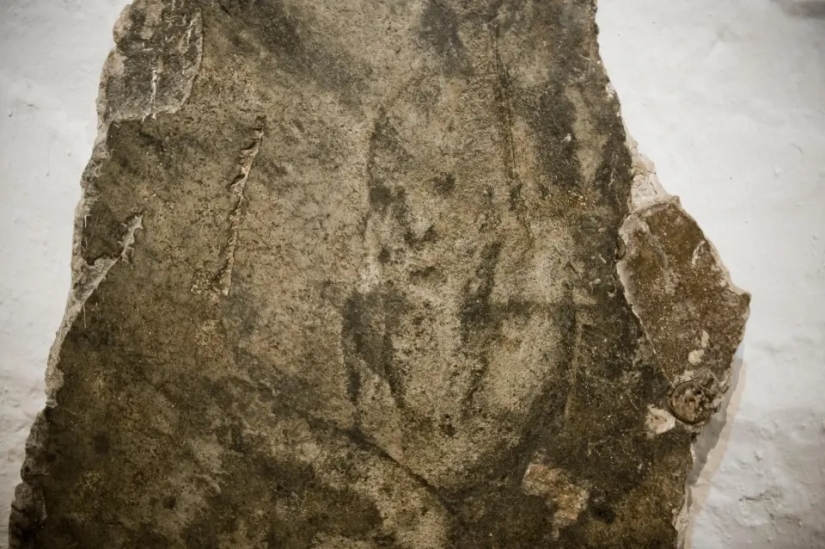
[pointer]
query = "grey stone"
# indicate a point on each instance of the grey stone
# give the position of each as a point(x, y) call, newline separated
point(363, 274)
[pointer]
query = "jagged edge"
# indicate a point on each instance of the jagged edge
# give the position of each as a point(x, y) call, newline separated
point(647, 192)
point(86, 278)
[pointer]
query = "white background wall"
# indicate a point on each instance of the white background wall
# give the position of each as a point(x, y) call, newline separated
point(726, 96)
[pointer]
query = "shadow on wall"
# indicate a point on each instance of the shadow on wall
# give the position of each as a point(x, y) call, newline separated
point(813, 9)
point(709, 447)
point(783, 508)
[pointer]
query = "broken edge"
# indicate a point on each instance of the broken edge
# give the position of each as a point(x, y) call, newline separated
point(168, 74)
point(648, 195)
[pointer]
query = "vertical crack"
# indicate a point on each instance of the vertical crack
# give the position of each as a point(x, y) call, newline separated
point(223, 280)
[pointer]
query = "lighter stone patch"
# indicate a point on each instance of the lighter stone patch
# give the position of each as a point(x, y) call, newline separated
point(646, 189)
point(555, 486)
point(695, 356)
point(658, 421)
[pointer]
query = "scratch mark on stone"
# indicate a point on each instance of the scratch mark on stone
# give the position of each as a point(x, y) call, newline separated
point(223, 280)
point(94, 274)
point(189, 30)
point(696, 253)
point(154, 93)
point(97, 271)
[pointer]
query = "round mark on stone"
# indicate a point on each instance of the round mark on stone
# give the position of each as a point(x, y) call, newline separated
point(690, 403)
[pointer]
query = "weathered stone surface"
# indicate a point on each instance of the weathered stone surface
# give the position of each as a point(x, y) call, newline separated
point(363, 274)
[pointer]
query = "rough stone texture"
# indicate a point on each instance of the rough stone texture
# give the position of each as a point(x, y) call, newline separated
point(373, 274)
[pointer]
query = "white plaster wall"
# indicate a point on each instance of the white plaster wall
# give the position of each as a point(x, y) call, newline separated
point(726, 96)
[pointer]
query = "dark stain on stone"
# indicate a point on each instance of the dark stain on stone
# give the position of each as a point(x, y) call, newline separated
point(444, 184)
point(553, 123)
point(510, 519)
point(439, 26)
point(384, 256)
point(101, 443)
point(284, 30)
point(386, 160)
point(417, 242)
point(476, 311)
point(504, 110)
point(479, 323)
point(446, 425)
point(148, 538)
point(169, 502)
point(600, 507)
point(424, 274)
point(369, 323)
point(380, 196)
